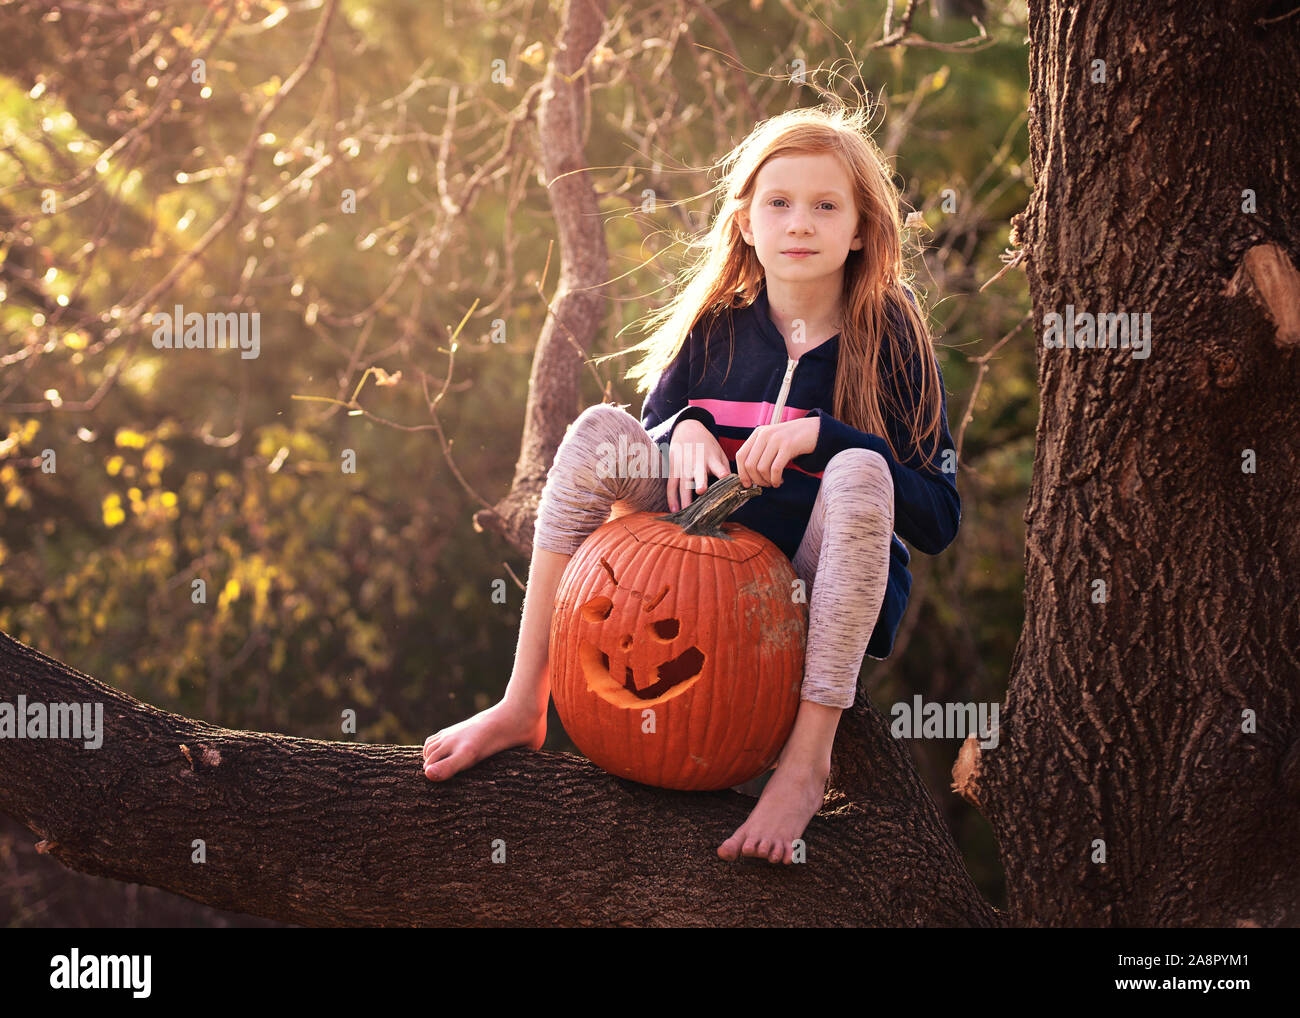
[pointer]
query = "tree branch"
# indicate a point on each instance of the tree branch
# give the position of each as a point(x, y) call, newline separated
point(334, 833)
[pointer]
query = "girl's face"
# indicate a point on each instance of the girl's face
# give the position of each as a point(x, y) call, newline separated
point(801, 222)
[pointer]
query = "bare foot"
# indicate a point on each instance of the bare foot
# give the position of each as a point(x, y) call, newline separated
point(501, 726)
point(791, 798)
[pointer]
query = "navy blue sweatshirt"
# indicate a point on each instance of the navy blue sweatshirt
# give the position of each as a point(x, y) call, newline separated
point(764, 381)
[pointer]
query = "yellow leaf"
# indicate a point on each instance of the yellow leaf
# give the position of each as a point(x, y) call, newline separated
point(112, 510)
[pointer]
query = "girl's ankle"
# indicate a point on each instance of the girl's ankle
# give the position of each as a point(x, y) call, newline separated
point(814, 767)
point(524, 705)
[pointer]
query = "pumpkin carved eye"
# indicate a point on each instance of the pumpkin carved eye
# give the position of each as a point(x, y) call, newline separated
point(597, 609)
point(666, 629)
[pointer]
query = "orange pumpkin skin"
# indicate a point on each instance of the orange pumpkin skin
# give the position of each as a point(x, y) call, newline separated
point(701, 630)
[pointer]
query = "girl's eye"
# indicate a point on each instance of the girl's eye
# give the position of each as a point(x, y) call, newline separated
point(830, 203)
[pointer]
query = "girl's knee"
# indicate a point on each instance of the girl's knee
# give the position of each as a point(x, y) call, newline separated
point(603, 417)
point(606, 448)
point(859, 469)
point(857, 484)
point(597, 427)
point(857, 460)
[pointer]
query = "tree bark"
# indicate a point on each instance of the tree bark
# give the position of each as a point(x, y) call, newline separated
point(331, 833)
point(578, 307)
point(1126, 722)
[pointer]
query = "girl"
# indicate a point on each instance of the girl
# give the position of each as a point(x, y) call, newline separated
point(834, 407)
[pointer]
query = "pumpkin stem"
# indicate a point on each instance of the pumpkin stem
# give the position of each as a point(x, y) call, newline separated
point(706, 513)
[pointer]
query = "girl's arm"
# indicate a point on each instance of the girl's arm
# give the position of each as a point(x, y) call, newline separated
point(927, 508)
point(666, 403)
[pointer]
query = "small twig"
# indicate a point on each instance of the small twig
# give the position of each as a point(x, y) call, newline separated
point(518, 582)
point(1280, 17)
point(1012, 261)
point(983, 362)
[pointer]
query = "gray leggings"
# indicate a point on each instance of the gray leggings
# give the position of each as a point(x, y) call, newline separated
point(849, 531)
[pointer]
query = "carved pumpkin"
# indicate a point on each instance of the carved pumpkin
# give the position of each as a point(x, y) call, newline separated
point(677, 647)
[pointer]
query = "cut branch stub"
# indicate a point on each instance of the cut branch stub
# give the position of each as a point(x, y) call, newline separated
point(1267, 271)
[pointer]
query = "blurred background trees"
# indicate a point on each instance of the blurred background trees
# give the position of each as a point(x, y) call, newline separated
point(365, 177)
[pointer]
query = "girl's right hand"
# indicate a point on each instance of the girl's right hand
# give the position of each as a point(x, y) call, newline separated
point(692, 455)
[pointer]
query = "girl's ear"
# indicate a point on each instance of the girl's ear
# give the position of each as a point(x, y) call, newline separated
point(742, 221)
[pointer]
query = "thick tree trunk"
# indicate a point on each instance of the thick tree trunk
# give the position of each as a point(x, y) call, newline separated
point(325, 833)
point(1127, 721)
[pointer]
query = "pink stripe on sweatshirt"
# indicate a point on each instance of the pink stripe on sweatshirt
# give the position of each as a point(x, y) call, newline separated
point(738, 414)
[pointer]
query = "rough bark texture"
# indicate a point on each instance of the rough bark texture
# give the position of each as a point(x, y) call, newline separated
point(325, 833)
point(1124, 719)
point(578, 307)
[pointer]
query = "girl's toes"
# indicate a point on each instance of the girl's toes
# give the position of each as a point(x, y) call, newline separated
point(734, 847)
point(436, 755)
point(449, 763)
point(434, 770)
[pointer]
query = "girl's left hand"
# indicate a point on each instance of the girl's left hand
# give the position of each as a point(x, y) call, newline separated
point(770, 447)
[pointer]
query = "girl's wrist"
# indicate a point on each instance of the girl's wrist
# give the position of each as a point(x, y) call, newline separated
point(814, 432)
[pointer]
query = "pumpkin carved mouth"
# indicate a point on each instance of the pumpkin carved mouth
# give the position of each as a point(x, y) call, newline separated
point(675, 674)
